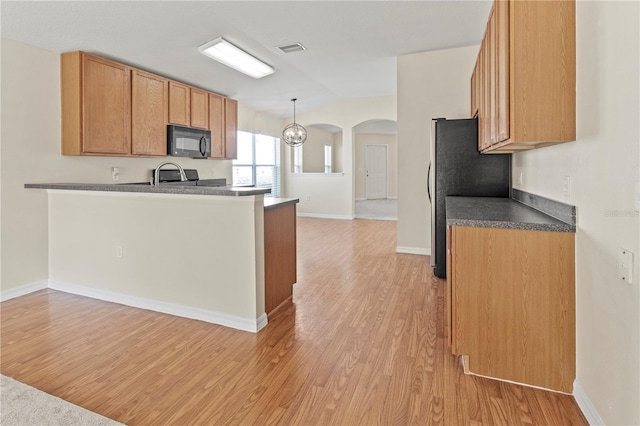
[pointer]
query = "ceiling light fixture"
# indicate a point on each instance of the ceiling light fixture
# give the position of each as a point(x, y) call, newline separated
point(294, 134)
point(223, 51)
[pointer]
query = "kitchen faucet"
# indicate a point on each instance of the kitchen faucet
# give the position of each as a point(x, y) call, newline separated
point(156, 175)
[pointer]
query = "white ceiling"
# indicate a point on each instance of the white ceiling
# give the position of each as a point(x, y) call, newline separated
point(351, 45)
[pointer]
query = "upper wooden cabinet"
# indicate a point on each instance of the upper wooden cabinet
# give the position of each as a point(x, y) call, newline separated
point(199, 108)
point(231, 128)
point(474, 91)
point(188, 106)
point(525, 76)
point(148, 114)
point(501, 73)
point(179, 104)
point(223, 123)
point(111, 109)
point(216, 125)
point(96, 105)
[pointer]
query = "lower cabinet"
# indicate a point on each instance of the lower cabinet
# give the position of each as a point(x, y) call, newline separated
point(279, 255)
point(511, 304)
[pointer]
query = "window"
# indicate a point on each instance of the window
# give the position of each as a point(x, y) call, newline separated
point(297, 159)
point(258, 162)
point(327, 159)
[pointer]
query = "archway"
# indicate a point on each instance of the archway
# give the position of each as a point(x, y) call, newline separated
point(375, 154)
point(321, 153)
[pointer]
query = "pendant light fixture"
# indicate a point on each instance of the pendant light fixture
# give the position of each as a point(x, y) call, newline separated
point(294, 134)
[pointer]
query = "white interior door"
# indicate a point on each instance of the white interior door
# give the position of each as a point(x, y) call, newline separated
point(376, 172)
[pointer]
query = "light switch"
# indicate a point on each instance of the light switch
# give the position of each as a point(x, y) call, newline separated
point(625, 265)
point(566, 186)
point(637, 197)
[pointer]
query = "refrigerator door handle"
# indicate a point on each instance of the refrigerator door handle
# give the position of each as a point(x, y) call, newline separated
point(432, 196)
point(429, 182)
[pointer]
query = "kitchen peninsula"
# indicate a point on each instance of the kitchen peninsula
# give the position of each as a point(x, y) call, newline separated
point(191, 251)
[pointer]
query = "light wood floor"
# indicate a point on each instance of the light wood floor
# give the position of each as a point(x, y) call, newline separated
point(362, 345)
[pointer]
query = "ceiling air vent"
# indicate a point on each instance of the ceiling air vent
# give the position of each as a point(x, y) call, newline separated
point(290, 48)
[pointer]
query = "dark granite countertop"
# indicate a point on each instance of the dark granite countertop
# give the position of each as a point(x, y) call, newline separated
point(232, 191)
point(275, 202)
point(488, 212)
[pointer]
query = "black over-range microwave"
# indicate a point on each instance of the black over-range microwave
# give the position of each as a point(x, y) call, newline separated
point(188, 142)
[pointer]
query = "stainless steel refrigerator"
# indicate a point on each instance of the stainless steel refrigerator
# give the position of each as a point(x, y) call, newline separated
point(458, 168)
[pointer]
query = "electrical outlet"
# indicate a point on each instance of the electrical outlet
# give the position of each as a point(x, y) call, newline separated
point(119, 252)
point(566, 186)
point(308, 197)
point(115, 173)
point(625, 265)
point(520, 179)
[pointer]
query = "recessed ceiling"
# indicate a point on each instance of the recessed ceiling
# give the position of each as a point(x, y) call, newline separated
point(351, 45)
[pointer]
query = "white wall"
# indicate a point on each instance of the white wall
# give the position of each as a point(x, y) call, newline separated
point(30, 152)
point(259, 122)
point(603, 166)
point(313, 149)
point(218, 269)
point(430, 85)
point(338, 152)
point(332, 195)
point(364, 139)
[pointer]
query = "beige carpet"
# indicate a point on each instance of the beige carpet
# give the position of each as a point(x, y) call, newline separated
point(22, 405)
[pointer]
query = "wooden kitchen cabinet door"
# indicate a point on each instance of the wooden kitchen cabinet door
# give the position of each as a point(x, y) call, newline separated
point(231, 128)
point(487, 91)
point(199, 114)
point(105, 106)
point(149, 99)
point(543, 66)
point(502, 69)
point(481, 89)
point(493, 74)
point(513, 304)
point(216, 125)
point(474, 91)
point(179, 104)
point(448, 309)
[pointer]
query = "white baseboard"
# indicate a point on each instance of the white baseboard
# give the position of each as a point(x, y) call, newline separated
point(365, 199)
point(213, 317)
point(413, 250)
point(585, 404)
point(325, 216)
point(22, 290)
